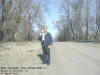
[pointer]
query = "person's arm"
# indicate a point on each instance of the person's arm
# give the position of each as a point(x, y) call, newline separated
point(40, 37)
point(50, 41)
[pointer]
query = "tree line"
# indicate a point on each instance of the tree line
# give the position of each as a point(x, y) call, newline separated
point(80, 20)
point(18, 19)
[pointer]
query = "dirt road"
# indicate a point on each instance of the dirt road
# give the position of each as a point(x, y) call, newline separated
point(67, 58)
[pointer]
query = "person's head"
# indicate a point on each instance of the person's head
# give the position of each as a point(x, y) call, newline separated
point(45, 28)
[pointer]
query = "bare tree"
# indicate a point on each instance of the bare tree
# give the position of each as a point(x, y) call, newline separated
point(18, 19)
point(77, 23)
point(98, 19)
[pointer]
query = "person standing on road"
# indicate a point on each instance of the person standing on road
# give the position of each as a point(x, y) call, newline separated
point(46, 42)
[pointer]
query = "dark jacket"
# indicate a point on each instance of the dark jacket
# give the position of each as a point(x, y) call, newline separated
point(48, 40)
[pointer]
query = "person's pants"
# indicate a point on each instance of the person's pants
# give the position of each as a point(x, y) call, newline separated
point(46, 53)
